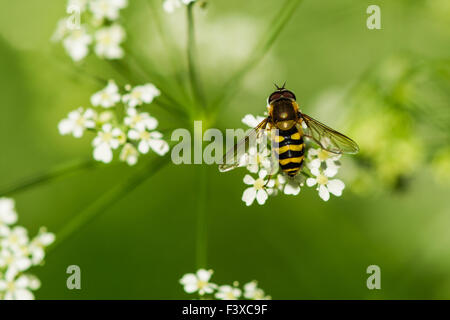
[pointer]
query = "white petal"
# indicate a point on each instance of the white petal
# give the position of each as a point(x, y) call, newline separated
point(261, 196)
point(248, 179)
point(323, 193)
point(262, 173)
point(188, 278)
point(336, 186)
point(23, 263)
point(204, 275)
point(159, 146)
point(191, 287)
point(133, 134)
point(310, 182)
point(23, 294)
point(292, 189)
point(65, 126)
point(315, 171)
point(103, 153)
point(314, 163)
point(249, 196)
point(143, 147)
point(331, 171)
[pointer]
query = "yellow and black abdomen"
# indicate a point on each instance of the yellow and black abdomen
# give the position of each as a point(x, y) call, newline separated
point(289, 147)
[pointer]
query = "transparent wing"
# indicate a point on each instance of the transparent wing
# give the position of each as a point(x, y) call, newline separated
point(232, 158)
point(327, 138)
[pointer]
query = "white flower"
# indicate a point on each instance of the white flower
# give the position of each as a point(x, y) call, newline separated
point(255, 160)
point(228, 293)
point(142, 120)
point(141, 94)
point(77, 121)
point(198, 282)
point(16, 239)
point(251, 291)
point(14, 260)
point(107, 8)
point(107, 139)
point(77, 43)
point(288, 185)
point(38, 244)
point(107, 42)
point(129, 154)
point(318, 156)
point(106, 97)
point(16, 288)
point(324, 185)
point(252, 121)
point(80, 4)
point(258, 189)
point(149, 140)
point(8, 213)
point(17, 254)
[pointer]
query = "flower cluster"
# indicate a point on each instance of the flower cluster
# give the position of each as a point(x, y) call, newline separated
point(18, 253)
point(321, 164)
point(92, 22)
point(134, 132)
point(170, 5)
point(200, 283)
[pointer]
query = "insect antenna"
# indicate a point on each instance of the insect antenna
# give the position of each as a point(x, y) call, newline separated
point(280, 88)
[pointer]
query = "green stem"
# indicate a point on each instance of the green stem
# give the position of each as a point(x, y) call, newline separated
point(191, 56)
point(48, 176)
point(172, 105)
point(274, 29)
point(202, 235)
point(163, 33)
point(108, 199)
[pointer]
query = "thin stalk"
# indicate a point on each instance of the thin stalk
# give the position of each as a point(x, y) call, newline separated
point(162, 30)
point(191, 57)
point(48, 176)
point(202, 235)
point(172, 105)
point(108, 199)
point(279, 22)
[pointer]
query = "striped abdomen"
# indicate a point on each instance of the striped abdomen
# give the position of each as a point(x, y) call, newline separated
point(290, 147)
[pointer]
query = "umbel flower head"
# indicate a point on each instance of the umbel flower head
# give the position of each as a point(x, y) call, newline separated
point(134, 133)
point(200, 283)
point(92, 22)
point(18, 253)
point(319, 167)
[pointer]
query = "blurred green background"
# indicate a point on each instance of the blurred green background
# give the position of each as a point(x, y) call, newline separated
point(296, 247)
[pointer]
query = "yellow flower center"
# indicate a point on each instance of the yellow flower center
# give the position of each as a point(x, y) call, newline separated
point(13, 238)
point(106, 40)
point(80, 121)
point(10, 286)
point(323, 155)
point(106, 136)
point(322, 179)
point(145, 135)
point(104, 96)
point(230, 296)
point(136, 94)
point(201, 284)
point(259, 184)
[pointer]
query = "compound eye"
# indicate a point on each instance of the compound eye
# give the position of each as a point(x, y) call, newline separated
point(275, 96)
point(288, 94)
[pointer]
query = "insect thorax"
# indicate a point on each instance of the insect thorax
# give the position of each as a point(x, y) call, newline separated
point(284, 114)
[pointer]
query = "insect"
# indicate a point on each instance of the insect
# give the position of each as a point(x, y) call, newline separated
point(291, 126)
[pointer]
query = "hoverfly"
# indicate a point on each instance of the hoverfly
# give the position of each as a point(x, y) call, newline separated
point(291, 126)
